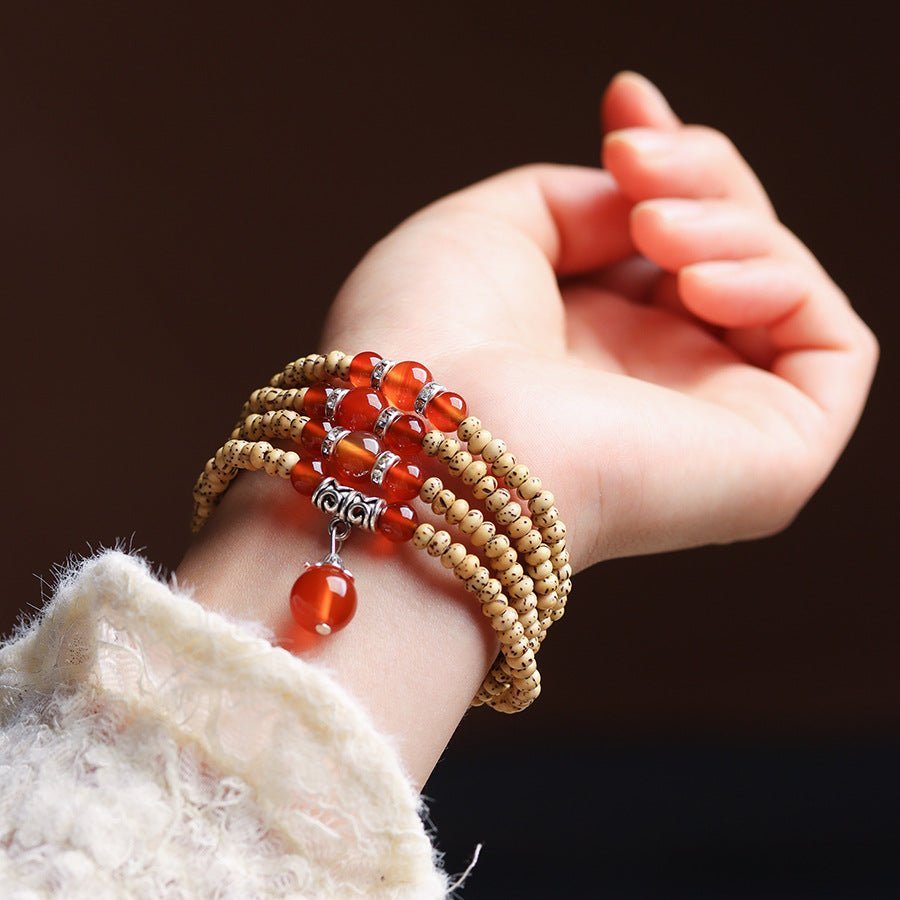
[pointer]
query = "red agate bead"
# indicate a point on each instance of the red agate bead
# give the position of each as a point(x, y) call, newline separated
point(403, 382)
point(359, 409)
point(354, 455)
point(402, 481)
point(315, 399)
point(361, 367)
point(446, 410)
point(323, 598)
point(398, 522)
point(404, 435)
point(313, 433)
point(308, 474)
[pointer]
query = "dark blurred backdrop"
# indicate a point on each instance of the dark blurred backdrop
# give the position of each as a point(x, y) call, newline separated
point(168, 171)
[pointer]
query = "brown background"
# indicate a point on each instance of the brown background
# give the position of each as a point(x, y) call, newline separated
point(170, 174)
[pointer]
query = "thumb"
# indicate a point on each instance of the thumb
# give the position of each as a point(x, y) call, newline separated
point(633, 101)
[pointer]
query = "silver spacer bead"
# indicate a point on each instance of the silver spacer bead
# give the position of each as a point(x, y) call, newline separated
point(426, 395)
point(383, 422)
point(382, 367)
point(330, 439)
point(382, 463)
point(333, 397)
point(348, 504)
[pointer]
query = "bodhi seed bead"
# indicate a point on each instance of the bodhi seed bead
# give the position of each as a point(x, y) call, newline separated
point(472, 521)
point(422, 535)
point(509, 513)
point(482, 534)
point(516, 475)
point(448, 449)
point(497, 545)
point(432, 441)
point(466, 569)
point(497, 500)
point(484, 487)
point(474, 472)
point(453, 556)
point(444, 500)
point(457, 511)
point(469, 426)
point(479, 440)
point(519, 528)
point(494, 608)
point(511, 575)
point(541, 502)
point(494, 450)
point(506, 620)
point(430, 489)
point(460, 461)
point(438, 543)
point(502, 466)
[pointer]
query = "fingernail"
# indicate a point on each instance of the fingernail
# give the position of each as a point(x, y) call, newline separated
point(674, 210)
point(645, 141)
point(649, 89)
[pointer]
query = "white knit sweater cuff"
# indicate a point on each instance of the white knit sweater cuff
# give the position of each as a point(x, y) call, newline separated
point(309, 774)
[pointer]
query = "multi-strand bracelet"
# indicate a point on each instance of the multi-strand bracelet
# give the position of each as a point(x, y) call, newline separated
point(360, 461)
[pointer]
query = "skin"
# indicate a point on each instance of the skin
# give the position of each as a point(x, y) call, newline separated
point(648, 337)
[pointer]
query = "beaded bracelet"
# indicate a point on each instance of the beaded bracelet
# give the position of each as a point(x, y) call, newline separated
point(360, 445)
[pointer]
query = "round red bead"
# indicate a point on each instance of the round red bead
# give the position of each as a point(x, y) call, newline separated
point(403, 382)
point(446, 410)
point(359, 409)
point(404, 435)
point(398, 522)
point(314, 400)
point(313, 433)
point(354, 455)
point(323, 598)
point(402, 481)
point(308, 474)
point(361, 366)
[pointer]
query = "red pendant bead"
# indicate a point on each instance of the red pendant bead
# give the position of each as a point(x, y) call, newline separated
point(403, 382)
point(311, 436)
point(402, 481)
point(361, 367)
point(398, 522)
point(354, 455)
point(314, 400)
point(308, 474)
point(323, 599)
point(405, 434)
point(446, 410)
point(359, 409)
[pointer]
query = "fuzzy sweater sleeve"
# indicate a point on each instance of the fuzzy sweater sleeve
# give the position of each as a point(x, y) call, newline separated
point(150, 748)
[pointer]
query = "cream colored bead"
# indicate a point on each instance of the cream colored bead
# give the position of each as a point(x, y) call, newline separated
point(297, 426)
point(444, 500)
point(506, 620)
point(560, 559)
point(453, 556)
point(459, 462)
point(448, 449)
point(541, 502)
point(557, 614)
point(523, 586)
point(504, 560)
point(516, 475)
point(565, 588)
point(432, 441)
point(439, 543)
point(547, 601)
point(519, 528)
point(529, 617)
point(430, 489)
point(474, 472)
point(258, 453)
point(271, 461)
point(286, 464)
point(529, 487)
point(491, 590)
point(496, 546)
point(512, 634)
point(535, 634)
point(545, 585)
point(469, 426)
point(516, 664)
point(509, 513)
point(554, 533)
point(472, 521)
point(545, 519)
point(511, 575)
point(564, 573)
point(557, 547)
point(525, 604)
point(497, 500)
point(423, 535)
point(344, 368)
point(333, 362)
point(541, 571)
point(482, 534)
point(530, 544)
point(479, 441)
point(466, 569)
point(525, 685)
point(485, 487)
point(494, 450)
point(457, 512)
point(494, 608)
point(479, 580)
point(504, 465)
point(516, 649)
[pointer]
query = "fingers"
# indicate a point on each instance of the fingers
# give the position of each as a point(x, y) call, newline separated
point(693, 161)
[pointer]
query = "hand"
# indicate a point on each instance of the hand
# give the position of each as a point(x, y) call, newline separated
point(648, 338)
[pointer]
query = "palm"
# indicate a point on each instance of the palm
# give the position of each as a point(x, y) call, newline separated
point(656, 430)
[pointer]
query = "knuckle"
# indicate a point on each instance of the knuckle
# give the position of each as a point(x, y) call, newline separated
point(717, 140)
